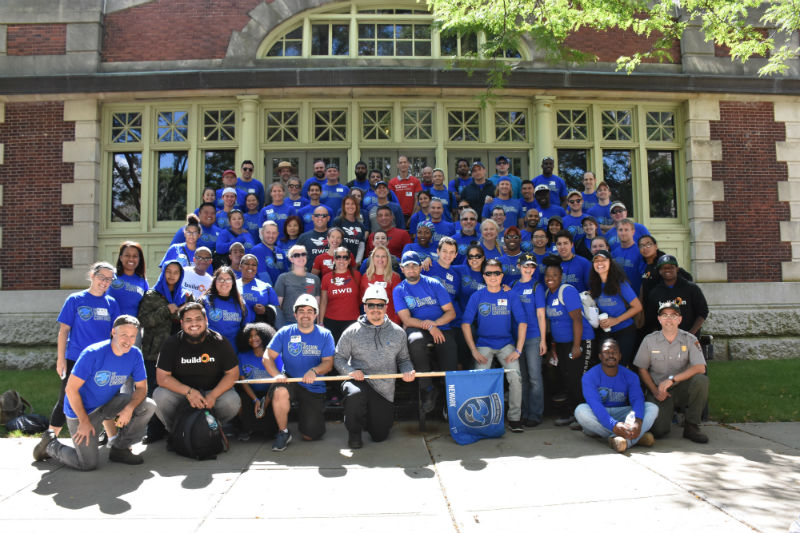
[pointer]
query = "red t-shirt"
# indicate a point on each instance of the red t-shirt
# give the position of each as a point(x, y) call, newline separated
point(405, 189)
point(324, 263)
point(344, 296)
point(378, 279)
point(398, 238)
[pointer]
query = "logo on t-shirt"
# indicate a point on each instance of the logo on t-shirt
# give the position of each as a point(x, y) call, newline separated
point(85, 312)
point(205, 358)
point(215, 314)
point(484, 309)
point(117, 283)
point(106, 377)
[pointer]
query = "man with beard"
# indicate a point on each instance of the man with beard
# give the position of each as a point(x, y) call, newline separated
point(481, 189)
point(461, 180)
point(674, 288)
point(526, 234)
point(318, 177)
point(196, 366)
point(316, 241)
point(556, 185)
point(307, 351)
point(467, 233)
point(307, 212)
point(361, 181)
point(510, 257)
point(398, 238)
point(546, 210)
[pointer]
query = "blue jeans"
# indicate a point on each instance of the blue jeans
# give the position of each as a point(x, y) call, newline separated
point(592, 427)
point(532, 387)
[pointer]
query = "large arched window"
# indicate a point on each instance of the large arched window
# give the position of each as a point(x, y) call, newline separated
point(362, 30)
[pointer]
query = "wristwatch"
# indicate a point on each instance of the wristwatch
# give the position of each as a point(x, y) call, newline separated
point(672, 379)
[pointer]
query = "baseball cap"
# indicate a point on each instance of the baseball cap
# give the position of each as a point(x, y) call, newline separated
point(500, 158)
point(228, 190)
point(381, 183)
point(669, 305)
point(603, 253)
point(477, 164)
point(332, 165)
point(410, 257)
point(524, 259)
point(666, 259)
point(306, 299)
point(375, 292)
point(229, 171)
point(617, 204)
point(541, 188)
point(574, 193)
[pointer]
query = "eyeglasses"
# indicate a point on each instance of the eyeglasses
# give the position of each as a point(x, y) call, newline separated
point(342, 257)
point(247, 169)
point(301, 254)
point(490, 273)
point(575, 201)
point(375, 306)
point(469, 219)
point(474, 256)
point(192, 233)
point(646, 245)
point(617, 211)
point(201, 258)
point(669, 316)
point(294, 185)
point(317, 215)
point(463, 206)
point(512, 236)
point(103, 279)
point(225, 281)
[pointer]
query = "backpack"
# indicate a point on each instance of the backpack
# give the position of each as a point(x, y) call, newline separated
point(12, 405)
point(197, 434)
point(28, 424)
point(589, 311)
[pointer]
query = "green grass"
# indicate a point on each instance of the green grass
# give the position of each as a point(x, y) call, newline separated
point(40, 387)
point(754, 391)
point(741, 391)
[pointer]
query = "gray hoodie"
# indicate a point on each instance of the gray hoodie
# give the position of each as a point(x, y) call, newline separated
point(373, 349)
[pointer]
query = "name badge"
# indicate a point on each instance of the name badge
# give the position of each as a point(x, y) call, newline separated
point(339, 189)
point(683, 348)
point(295, 338)
point(502, 302)
point(527, 291)
point(102, 311)
point(251, 191)
point(655, 351)
point(449, 277)
point(310, 280)
point(279, 256)
point(409, 193)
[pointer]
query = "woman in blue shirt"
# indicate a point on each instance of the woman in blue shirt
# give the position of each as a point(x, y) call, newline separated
point(225, 308)
point(130, 284)
point(471, 273)
point(492, 247)
point(234, 233)
point(252, 215)
point(256, 414)
point(615, 297)
point(572, 336)
point(183, 252)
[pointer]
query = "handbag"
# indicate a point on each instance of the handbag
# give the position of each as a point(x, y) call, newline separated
point(12, 405)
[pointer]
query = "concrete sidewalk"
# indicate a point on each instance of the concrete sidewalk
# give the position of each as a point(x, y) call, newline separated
point(546, 479)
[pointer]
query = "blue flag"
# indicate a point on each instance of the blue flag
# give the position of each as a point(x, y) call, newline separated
point(475, 404)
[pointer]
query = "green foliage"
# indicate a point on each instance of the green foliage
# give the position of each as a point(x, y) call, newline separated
point(40, 387)
point(549, 23)
point(754, 391)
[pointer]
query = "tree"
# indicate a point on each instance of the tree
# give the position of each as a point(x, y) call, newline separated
point(549, 23)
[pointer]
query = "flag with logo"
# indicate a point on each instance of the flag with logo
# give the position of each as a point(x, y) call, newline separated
point(475, 404)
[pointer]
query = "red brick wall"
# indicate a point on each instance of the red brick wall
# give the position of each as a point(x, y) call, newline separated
point(32, 214)
point(609, 45)
point(36, 39)
point(167, 30)
point(750, 173)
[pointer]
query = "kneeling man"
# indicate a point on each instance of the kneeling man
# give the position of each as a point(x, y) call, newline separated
point(372, 345)
point(611, 392)
point(95, 393)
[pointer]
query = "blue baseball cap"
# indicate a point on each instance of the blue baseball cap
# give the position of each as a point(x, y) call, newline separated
point(410, 257)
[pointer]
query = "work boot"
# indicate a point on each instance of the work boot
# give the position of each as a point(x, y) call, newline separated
point(693, 433)
point(617, 443)
point(354, 441)
point(646, 440)
point(40, 451)
point(124, 456)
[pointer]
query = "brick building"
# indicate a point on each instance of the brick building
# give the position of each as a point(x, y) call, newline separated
point(115, 113)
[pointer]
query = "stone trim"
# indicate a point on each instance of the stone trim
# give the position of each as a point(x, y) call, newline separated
point(83, 192)
point(2, 161)
point(789, 191)
point(702, 192)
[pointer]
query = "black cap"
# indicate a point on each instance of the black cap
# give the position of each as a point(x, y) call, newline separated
point(666, 259)
point(669, 305)
point(604, 253)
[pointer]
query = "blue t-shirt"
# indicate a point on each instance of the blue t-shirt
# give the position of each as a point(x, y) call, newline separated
point(589, 200)
point(302, 351)
point(512, 208)
point(576, 272)
point(546, 213)
point(463, 242)
point(558, 315)
point(602, 213)
point(252, 223)
point(128, 292)
point(448, 201)
point(494, 253)
point(424, 299)
point(511, 271)
point(601, 391)
point(90, 319)
point(496, 313)
point(531, 294)
point(427, 252)
point(632, 262)
point(458, 184)
point(309, 181)
point(297, 204)
point(471, 281)
point(574, 226)
point(271, 263)
point(225, 317)
point(332, 196)
point(252, 367)
point(180, 253)
point(615, 305)
point(557, 186)
point(253, 186)
point(258, 292)
point(103, 373)
point(451, 280)
point(371, 199)
point(277, 214)
point(227, 237)
point(441, 229)
point(208, 236)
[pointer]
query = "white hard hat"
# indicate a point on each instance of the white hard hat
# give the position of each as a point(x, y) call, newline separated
point(306, 299)
point(375, 292)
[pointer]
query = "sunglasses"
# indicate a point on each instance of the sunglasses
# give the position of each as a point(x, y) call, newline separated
point(320, 216)
point(491, 273)
point(294, 256)
point(294, 186)
point(474, 256)
point(617, 211)
point(376, 306)
point(247, 169)
point(470, 219)
point(575, 201)
point(343, 257)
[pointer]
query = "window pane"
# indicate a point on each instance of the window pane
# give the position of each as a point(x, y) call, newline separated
point(215, 163)
point(403, 31)
point(385, 31)
point(571, 166)
point(341, 40)
point(366, 31)
point(366, 48)
point(171, 196)
point(126, 127)
point(422, 48)
point(469, 44)
point(319, 40)
point(661, 179)
point(126, 187)
point(404, 48)
point(449, 45)
point(385, 48)
point(617, 172)
point(293, 49)
point(422, 31)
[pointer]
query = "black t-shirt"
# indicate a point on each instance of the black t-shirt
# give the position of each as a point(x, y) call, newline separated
point(200, 366)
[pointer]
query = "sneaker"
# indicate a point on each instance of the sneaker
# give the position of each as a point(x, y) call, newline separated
point(244, 436)
point(40, 451)
point(282, 441)
point(565, 421)
point(646, 440)
point(354, 442)
point(124, 456)
point(515, 426)
point(110, 442)
point(102, 439)
point(574, 426)
point(530, 423)
point(617, 443)
point(693, 433)
point(428, 400)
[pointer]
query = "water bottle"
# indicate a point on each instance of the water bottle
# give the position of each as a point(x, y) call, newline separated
point(630, 420)
point(212, 422)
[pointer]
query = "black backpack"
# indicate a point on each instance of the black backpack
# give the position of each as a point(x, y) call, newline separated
point(197, 434)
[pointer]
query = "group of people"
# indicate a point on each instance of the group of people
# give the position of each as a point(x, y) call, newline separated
point(375, 277)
